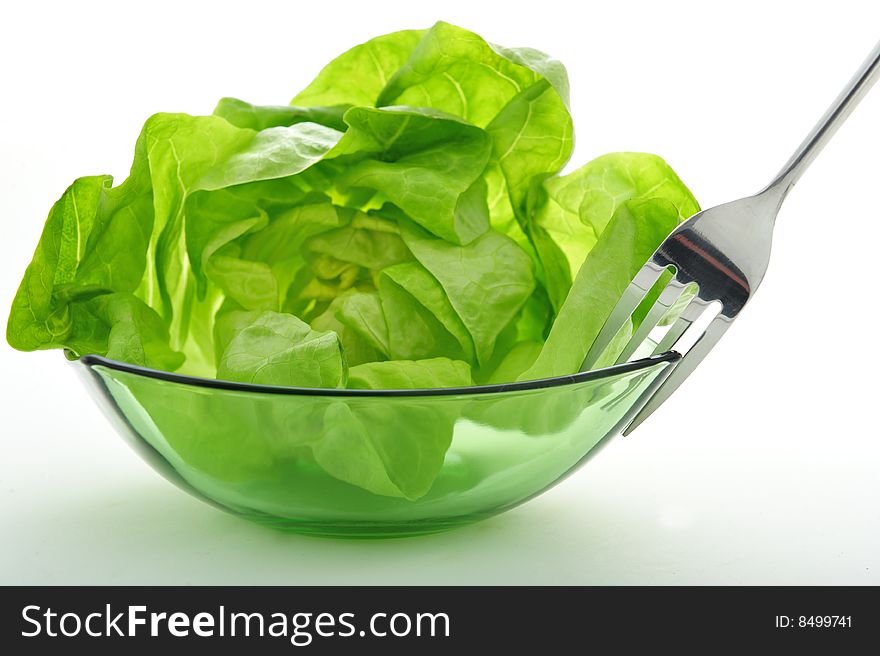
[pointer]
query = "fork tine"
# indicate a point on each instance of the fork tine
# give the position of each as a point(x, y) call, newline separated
point(629, 301)
point(682, 370)
point(670, 294)
point(689, 315)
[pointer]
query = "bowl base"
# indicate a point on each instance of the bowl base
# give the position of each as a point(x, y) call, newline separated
point(361, 530)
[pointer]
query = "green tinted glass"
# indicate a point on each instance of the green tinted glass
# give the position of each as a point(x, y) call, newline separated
point(368, 464)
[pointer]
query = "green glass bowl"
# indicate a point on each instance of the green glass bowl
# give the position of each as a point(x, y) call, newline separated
point(364, 463)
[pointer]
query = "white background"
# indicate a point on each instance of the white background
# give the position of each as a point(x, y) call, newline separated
point(763, 469)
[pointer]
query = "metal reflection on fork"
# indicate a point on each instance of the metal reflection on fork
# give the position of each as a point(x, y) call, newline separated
point(723, 253)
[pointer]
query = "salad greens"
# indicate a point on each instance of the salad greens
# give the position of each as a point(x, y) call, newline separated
point(401, 224)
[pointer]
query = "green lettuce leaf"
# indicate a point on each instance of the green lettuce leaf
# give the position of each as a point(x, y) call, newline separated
point(40, 316)
point(374, 446)
point(362, 313)
point(487, 282)
point(414, 279)
point(259, 117)
point(134, 332)
point(629, 239)
point(414, 331)
point(517, 360)
point(410, 374)
point(270, 348)
point(456, 71)
point(357, 349)
point(571, 211)
point(427, 163)
point(358, 76)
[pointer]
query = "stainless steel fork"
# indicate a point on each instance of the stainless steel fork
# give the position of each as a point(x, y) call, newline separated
point(724, 252)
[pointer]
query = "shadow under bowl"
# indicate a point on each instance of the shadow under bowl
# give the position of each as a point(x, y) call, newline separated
point(368, 463)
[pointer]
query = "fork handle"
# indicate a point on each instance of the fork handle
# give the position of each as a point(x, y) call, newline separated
point(840, 109)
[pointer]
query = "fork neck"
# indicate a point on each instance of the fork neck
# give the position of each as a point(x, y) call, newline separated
point(833, 118)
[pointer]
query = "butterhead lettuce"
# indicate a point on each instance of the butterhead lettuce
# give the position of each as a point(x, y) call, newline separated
point(403, 223)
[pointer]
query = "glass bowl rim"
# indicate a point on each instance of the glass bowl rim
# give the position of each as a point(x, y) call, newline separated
point(519, 386)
